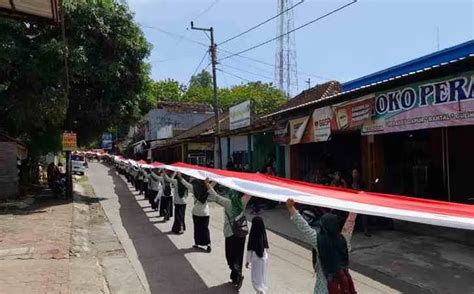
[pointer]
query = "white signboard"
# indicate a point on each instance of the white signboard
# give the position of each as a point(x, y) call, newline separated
point(240, 115)
point(165, 132)
point(322, 124)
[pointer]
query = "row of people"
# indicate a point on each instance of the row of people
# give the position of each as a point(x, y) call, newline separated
point(162, 189)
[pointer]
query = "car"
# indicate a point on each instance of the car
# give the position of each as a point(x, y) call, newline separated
point(78, 164)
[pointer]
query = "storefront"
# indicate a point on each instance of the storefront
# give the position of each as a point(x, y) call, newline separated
point(422, 136)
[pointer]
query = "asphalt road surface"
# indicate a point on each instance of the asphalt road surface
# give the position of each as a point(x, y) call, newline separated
point(167, 263)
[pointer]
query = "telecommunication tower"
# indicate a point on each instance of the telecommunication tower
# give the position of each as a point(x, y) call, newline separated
point(286, 74)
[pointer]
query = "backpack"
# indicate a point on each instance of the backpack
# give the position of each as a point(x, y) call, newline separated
point(341, 283)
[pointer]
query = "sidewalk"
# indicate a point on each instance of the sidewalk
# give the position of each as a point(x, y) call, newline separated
point(34, 246)
point(407, 262)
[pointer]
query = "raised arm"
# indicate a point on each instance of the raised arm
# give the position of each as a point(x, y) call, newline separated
point(308, 232)
point(215, 197)
point(172, 179)
point(187, 184)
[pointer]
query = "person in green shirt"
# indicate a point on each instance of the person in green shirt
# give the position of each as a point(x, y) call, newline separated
point(234, 207)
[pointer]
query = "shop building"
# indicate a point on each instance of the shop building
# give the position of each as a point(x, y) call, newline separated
point(410, 127)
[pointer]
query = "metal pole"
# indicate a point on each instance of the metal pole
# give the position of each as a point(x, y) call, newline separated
point(217, 141)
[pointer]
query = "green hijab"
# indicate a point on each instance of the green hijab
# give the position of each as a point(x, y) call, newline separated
point(237, 205)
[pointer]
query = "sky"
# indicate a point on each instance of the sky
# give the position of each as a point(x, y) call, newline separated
point(363, 38)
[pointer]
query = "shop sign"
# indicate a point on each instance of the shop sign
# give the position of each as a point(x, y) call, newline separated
point(352, 115)
point(297, 129)
point(322, 124)
point(107, 141)
point(69, 142)
point(280, 133)
point(240, 115)
point(437, 103)
point(165, 132)
point(200, 146)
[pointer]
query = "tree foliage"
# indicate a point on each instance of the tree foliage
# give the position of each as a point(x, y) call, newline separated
point(264, 96)
point(109, 80)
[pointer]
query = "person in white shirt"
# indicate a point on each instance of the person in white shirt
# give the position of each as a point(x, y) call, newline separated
point(180, 194)
point(257, 255)
point(166, 206)
point(200, 212)
point(156, 188)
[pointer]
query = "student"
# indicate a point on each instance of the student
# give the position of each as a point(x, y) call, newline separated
point(155, 182)
point(257, 255)
point(166, 206)
point(180, 193)
point(200, 212)
point(332, 270)
point(234, 208)
point(145, 187)
point(140, 177)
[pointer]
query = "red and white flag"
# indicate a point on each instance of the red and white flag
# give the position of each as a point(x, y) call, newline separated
point(413, 209)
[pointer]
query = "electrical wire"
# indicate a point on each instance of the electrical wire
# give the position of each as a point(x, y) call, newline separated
point(291, 31)
point(233, 75)
point(174, 35)
point(197, 69)
point(206, 10)
point(249, 72)
point(260, 24)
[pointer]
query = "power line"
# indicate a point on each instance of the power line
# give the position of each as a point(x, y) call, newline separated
point(197, 69)
point(248, 72)
point(233, 75)
point(301, 73)
point(206, 9)
point(291, 31)
point(261, 24)
point(174, 35)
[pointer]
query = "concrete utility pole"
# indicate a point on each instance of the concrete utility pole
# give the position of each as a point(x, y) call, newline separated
point(212, 49)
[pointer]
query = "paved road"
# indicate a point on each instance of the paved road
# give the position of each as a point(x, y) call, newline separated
point(167, 263)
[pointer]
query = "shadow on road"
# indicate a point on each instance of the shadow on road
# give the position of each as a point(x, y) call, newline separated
point(166, 267)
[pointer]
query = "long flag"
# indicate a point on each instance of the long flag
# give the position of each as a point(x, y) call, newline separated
point(412, 209)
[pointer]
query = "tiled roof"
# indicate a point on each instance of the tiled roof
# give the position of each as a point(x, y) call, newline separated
point(201, 129)
point(316, 93)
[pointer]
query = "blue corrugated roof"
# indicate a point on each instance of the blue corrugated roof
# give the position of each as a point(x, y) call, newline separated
point(445, 55)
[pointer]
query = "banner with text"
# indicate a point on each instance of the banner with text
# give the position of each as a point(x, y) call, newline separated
point(322, 124)
point(297, 128)
point(351, 115)
point(437, 103)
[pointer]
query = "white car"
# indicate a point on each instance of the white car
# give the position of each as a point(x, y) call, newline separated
point(78, 164)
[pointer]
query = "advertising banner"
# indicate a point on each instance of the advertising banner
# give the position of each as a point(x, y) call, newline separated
point(69, 142)
point(322, 124)
point(297, 128)
point(280, 133)
point(438, 103)
point(107, 142)
point(240, 115)
point(352, 115)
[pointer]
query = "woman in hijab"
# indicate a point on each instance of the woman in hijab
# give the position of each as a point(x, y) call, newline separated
point(234, 208)
point(332, 257)
point(200, 213)
point(180, 193)
point(257, 255)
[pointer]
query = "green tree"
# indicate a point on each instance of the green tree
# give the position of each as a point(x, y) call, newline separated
point(167, 90)
point(109, 80)
point(264, 97)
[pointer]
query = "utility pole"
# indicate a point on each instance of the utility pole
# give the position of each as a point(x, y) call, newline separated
point(212, 49)
point(309, 83)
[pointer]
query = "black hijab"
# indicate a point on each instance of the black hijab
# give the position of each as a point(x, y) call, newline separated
point(181, 189)
point(332, 246)
point(258, 237)
point(200, 191)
